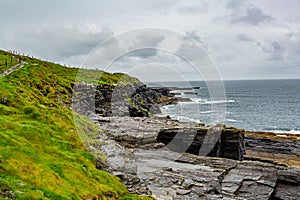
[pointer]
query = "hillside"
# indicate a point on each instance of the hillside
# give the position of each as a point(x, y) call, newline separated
point(41, 153)
point(7, 60)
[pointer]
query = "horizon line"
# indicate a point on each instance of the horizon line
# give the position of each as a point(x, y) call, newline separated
point(246, 79)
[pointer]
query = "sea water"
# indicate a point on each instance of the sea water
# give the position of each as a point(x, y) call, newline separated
point(255, 105)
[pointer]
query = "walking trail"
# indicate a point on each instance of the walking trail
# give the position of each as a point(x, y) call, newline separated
point(12, 69)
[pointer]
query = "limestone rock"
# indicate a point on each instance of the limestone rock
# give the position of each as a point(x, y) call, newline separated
point(151, 168)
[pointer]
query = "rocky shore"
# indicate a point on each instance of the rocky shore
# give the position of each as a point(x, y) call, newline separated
point(149, 167)
point(166, 159)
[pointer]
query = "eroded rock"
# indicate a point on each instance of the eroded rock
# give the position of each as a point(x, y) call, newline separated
point(151, 168)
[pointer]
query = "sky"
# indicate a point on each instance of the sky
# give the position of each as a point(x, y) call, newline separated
point(160, 39)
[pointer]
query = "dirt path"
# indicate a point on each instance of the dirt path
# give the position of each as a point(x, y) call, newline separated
point(12, 69)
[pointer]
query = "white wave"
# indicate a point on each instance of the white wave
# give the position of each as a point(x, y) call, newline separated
point(206, 112)
point(185, 119)
point(216, 102)
point(231, 120)
point(196, 100)
point(192, 101)
point(296, 132)
point(188, 102)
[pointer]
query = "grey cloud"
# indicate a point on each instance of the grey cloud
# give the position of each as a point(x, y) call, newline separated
point(292, 34)
point(190, 50)
point(59, 43)
point(148, 38)
point(196, 36)
point(242, 11)
point(126, 49)
point(293, 54)
point(104, 54)
point(143, 53)
point(235, 5)
point(233, 42)
point(276, 46)
point(277, 51)
point(189, 10)
point(187, 49)
point(194, 9)
point(145, 40)
point(253, 16)
point(245, 38)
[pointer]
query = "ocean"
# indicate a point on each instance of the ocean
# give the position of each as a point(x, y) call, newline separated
point(255, 105)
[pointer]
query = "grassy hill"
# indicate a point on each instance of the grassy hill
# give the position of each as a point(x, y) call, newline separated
point(7, 60)
point(41, 153)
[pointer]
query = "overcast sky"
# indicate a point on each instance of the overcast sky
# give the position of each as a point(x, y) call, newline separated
point(251, 39)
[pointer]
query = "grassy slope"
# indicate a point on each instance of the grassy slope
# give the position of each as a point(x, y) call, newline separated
point(41, 154)
point(6, 61)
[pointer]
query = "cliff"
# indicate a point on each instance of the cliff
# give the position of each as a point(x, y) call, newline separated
point(153, 156)
point(42, 155)
point(270, 147)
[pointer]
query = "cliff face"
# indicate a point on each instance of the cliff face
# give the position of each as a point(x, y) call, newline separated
point(271, 147)
point(135, 100)
point(206, 141)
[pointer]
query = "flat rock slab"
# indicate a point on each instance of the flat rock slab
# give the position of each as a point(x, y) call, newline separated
point(148, 168)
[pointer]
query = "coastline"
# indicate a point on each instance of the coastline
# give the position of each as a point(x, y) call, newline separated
point(131, 139)
point(146, 167)
point(138, 152)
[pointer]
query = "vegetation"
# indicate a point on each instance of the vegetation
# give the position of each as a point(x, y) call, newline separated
point(7, 60)
point(41, 153)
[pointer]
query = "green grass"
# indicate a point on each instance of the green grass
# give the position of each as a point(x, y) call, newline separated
point(43, 154)
point(7, 60)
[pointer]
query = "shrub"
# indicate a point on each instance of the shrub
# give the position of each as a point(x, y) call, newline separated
point(28, 110)
point(4, 100)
